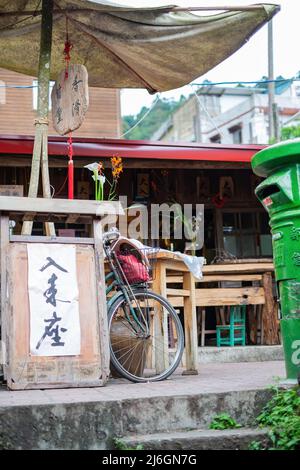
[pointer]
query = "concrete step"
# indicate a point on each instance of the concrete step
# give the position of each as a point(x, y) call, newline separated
point(90, 418)
point(211, 354)
point(199, 439)
point(93, 423)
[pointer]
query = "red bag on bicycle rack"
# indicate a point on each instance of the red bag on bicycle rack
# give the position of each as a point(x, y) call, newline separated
point(134, 270)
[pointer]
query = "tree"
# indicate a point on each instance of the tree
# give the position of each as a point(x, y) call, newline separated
point(157, 116)
point(290, 132)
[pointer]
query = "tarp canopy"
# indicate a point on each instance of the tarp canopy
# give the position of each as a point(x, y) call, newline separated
point(126, 47)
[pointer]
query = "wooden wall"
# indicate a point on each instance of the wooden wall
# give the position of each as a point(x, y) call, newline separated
point(17, 114)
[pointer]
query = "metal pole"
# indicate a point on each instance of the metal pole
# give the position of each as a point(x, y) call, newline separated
point(40, 151)
point(271, 85)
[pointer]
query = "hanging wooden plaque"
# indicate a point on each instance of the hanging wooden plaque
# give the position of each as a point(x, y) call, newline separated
point(70, 99)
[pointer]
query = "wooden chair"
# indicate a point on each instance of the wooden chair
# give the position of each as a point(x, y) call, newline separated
point(235, 332)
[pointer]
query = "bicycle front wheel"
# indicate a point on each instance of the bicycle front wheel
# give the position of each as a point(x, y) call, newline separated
point(146, 337)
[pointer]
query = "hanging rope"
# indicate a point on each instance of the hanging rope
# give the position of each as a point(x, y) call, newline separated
point(67, 50)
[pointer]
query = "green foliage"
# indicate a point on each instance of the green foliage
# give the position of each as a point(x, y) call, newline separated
point(282, 416)
point(255, 445)
point(223, 421)
point(290, 132)
point(121, 445)
point(158, 115)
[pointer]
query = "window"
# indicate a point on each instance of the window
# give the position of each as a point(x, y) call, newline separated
point(246, 234)
point(2, 92)
point(215, 139)
point(35, 93)
point(250, 133)
point(195, 129)
point(236, 132)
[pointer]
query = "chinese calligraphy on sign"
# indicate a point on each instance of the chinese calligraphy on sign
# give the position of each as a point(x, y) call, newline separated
point(53, 298)
point(70, 99)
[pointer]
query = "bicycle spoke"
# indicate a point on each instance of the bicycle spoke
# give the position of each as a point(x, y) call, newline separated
point(131, 355)
point(148, 357)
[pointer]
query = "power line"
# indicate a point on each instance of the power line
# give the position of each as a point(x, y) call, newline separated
point(277, 80)
point(18, 86)
point(202, 105)
point(206, 83)
point(143, 117)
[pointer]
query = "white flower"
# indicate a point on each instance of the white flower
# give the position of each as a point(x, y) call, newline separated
point(99, 178)
point(92, 166)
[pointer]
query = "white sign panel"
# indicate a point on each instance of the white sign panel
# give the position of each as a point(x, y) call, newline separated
point(53, 299)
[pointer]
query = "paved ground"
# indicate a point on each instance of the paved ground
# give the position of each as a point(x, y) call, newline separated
point(212, 378)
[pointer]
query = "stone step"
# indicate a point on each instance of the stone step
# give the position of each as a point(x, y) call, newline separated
point(85, 423)
point(90, 418)
point(210, 354)
point(199, 439)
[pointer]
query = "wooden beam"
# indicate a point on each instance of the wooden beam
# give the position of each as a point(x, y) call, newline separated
point(60, 206)
point(72, 218)
point(238, 268)
point(39, 239)
point(230, 296)
point(178, 292)
point(146, 163)
point(218, 278)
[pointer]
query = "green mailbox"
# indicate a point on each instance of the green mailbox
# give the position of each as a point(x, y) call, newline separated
point(279, 193)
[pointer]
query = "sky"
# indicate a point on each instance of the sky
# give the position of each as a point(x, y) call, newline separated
point(249, 63)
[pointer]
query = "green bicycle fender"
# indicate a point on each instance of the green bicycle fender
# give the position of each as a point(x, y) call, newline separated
point(114, 299)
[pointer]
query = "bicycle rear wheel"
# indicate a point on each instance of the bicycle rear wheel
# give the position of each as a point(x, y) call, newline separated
point(146, 337)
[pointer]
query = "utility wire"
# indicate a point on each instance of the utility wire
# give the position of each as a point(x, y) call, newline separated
point(277, 80)
point(207, 84)
point(240, 82)
point(143, 117)
point(202, 105)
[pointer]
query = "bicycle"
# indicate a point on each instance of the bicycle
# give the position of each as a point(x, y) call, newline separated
point(146, 335)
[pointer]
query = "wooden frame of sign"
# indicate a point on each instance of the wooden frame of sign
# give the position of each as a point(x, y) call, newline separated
point(21, 369)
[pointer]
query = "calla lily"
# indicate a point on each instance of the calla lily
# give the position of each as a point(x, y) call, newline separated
point(100, 178)
point(92, 166)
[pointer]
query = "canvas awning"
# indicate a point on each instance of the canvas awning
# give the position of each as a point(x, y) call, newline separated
point(125, 47)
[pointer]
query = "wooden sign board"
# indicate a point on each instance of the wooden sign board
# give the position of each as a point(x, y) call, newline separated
point(11, 190)
point(70, 99)
point(25, 370)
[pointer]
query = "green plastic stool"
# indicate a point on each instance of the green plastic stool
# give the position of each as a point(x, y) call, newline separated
point(236, 330)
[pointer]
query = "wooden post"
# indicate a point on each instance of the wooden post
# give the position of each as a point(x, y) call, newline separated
point(40, 150)
point(269, 314)
point(190, 326)
point(160, 319)
point(4, 242)
point(101, 297)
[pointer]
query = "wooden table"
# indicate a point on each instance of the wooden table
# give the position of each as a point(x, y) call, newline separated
point(169, 268)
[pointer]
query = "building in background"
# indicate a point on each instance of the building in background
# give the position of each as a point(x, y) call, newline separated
point(228, 115)
point(18, 109)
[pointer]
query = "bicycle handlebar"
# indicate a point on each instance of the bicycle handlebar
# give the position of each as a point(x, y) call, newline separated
point(111, 235)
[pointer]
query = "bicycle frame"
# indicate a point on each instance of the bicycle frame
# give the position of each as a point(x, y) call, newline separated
point(125, 290)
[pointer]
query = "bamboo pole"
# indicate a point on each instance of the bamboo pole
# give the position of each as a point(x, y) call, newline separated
point(126, 9)
point(40, 150)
